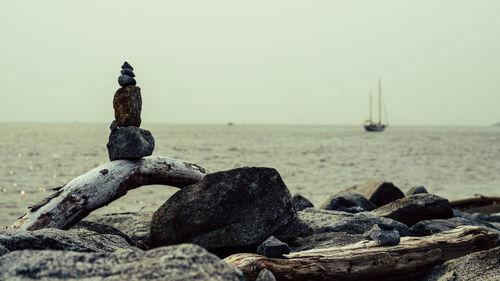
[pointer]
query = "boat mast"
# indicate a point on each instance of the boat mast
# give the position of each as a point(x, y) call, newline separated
point(371, 115)
point(379, 102)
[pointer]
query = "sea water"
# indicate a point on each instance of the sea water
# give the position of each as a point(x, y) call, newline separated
point(315, 161)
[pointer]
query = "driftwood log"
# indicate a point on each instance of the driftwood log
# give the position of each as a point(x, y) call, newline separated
point(104, 184)
point(479, 203)
point(367, 260)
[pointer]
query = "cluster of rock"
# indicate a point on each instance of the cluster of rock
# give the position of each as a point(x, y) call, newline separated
point(235, 211)
point(127, 140)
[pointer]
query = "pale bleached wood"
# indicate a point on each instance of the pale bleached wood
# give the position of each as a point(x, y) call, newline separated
point(104, 184)
point(367, 260)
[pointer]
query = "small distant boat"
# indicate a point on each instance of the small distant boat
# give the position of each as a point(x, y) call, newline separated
point(371, 126)
point(230, 124)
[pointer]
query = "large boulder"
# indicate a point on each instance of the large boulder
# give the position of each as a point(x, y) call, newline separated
point(56, 239)
point(229, 209)
point(484, 265)
point(130, 143)
point(315, 221)
point(180, 262)
point(136, 225)
point(414, 208)
point(377, 191)
point(348, 202)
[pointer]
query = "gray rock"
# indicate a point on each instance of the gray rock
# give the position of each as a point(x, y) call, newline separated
point(461, 214)
point(416, 190)
point(89, 228)
point(493, 218)
point(125, 80)
point(128, 72)
point(126, 65)
point(300, 202)
point(484, 266)
point(265, 275)
point(3, 250)
point(377, 191)
point(130, 143)
point(414, 208)
point(348, 202)
point(229, 209)
point(324, 240)
point(56, 239)
point(113, 126)
point(273, 248)
point(429, 227)
point(137, 226)
point(387, 236)
point(479, 217)
point(180, 262)
point(315, 221)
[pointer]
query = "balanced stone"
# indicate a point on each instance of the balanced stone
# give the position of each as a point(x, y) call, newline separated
point(128, 105)
point(130, 143)
point(128, 72)
point(126, 80)
point(126, 65)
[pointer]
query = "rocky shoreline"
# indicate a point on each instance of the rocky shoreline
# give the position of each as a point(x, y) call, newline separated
point(244, 210)
point(239, 224)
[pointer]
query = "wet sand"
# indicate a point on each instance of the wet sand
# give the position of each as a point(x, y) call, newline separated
point(315, 161)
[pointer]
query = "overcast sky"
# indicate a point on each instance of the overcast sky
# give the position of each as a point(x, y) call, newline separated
point(281, 61)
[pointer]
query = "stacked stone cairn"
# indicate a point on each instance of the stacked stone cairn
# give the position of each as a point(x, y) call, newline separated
point(127, 140)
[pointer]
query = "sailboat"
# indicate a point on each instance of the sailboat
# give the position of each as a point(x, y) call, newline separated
point(369, 125)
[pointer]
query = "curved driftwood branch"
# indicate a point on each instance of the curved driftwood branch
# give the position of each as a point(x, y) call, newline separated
point(104, 184)
point(367, 260)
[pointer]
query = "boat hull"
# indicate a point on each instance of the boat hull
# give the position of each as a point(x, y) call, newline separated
point(374, 128)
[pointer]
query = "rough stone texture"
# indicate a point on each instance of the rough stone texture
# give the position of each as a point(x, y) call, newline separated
point(130, 143)
point(325, 240)
point(128, 72)
point(300, 202)
point(429, 227)
point(3, 250)
point(484, 265)
point(315, 221)
point(125, 80)
point(461, 214)
point(273, 248)
point(377, 191)
point(137, 226)
point(229, 209)
point(55, 239)
point(387, 236)
point(415, 208)
point(416, 190)
point(127, 103)
point(265, 275)
point(127, 65)
point(89, 228)
point(180, 262)
point(348, 202)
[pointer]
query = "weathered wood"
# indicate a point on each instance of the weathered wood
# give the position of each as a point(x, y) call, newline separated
point(104, 184)
point(478, 203)
point(367, 260)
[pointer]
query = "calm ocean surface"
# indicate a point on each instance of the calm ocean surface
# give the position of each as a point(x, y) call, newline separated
point(315, 161)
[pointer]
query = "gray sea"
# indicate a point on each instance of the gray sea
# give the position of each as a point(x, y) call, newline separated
point(315, 161)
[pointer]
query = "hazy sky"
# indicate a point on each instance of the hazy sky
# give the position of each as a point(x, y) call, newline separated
point(282, 61)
